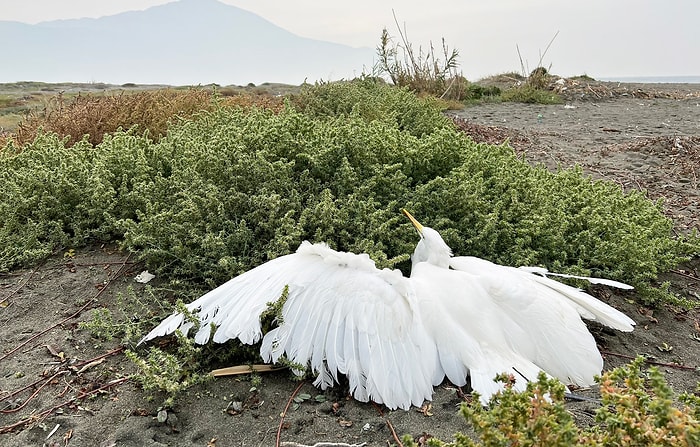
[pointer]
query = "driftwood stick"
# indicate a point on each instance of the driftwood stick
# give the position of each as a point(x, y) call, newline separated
point(651, 362)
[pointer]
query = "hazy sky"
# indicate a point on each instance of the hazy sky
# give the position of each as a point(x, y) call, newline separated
point(601, 38)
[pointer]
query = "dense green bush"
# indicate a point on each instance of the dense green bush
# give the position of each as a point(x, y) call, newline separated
point(53, 196)
point(515, 214)
point(234, 187)
point(372, 100)
point(528, 94)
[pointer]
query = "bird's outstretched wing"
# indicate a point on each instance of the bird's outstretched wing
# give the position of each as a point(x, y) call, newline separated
point(587, 306)
point(542, 319)
point(342, 315)
point(234, 308)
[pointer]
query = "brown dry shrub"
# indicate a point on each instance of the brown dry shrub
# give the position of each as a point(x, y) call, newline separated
point(151, 111)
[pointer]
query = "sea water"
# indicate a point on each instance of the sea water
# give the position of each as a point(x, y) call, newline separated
point(654, 79)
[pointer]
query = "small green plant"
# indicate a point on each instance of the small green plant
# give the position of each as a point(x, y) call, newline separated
point(129, 320)
point(534, 417)
point(638, 410)
point(171, 374)
point(255, 382)
point(479, 92)
point(272, 315)
point(101, 324)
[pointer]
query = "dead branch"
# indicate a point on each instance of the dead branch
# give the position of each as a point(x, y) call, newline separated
point(36, 393)
point(284, 413)
point(389, 425)
point(45, 413)
point(14, 292)
point(651, 362)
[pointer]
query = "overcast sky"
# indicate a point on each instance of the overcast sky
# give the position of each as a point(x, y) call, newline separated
point(601, 38)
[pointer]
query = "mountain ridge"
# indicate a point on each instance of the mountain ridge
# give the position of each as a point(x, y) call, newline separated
point(186, 42)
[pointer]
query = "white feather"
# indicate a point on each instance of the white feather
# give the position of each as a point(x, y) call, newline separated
point(589, 307)
point(606, 282)
point(541, 319)
point(394, 338)
point(342, 316)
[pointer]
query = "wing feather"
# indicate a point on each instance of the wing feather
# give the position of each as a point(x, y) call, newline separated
point(471, 330)
point(542, 319)
point(342, 315)
point(234, 308)
point(588, 306)
point(607, 282)
point(364, 326)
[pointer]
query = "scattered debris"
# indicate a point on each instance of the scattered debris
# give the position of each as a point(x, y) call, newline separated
point(665, 347)
point(590, 89)
point(426, 409)
point(144, 277)
point(322, 444)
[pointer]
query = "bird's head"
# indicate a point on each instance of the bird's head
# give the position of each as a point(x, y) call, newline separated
point(431, 248)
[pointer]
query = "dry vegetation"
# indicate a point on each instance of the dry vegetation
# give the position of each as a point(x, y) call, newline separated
point(92, 116)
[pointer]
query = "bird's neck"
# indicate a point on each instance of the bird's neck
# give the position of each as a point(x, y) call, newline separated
point(441, 260)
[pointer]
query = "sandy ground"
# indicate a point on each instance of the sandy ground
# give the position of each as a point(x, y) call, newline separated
point(61, 387)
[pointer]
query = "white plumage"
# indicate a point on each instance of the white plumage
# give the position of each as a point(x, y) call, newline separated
point(393, 337)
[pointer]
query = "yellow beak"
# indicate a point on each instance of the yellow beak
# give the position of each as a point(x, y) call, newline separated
point(413, 220)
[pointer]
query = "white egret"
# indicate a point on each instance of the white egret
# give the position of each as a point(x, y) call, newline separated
point(393, 337)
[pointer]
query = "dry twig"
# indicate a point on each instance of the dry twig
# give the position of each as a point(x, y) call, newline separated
point(14, 292)
point(651, 362)
point(284, 413)
point(45, 413)
point(389, 425)
point(75, 314)
point(36, 393)
point(244, 369)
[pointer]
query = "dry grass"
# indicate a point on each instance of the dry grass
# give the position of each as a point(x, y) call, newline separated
point(91, 116)
point(422, 71)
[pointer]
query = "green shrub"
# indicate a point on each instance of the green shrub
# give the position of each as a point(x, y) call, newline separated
point(372, 100)
point(498, 206)
point(54, 196)
point(637, 410)
point(476, 92)
point(233, 187)
point(528, 94)
point(160, 371)
point(133, 315)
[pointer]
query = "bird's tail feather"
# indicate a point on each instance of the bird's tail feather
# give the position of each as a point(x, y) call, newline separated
point(589, 307)
point(607, 282)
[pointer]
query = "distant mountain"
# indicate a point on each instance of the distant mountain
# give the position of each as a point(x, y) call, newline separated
point(186, 42)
